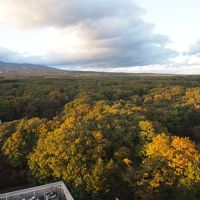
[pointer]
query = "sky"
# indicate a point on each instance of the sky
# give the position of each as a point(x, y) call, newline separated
point(139, 36)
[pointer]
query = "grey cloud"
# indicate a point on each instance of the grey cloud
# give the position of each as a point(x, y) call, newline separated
point(8, 55)
point(114, 27)
point(194, 49)
point(130, 42)
point(63, 13)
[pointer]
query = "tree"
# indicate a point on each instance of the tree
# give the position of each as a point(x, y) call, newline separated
point(145, 135)
point(87, 148)
point(192, 97)
point(22, 141)
point(172, 163)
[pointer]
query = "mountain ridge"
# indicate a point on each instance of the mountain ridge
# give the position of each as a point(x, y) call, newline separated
point(28, 69)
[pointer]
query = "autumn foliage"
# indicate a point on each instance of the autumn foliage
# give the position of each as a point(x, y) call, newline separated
point(135, 143)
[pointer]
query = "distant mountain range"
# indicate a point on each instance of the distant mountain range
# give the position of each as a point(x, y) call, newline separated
point(24, 66)
point(25, 69)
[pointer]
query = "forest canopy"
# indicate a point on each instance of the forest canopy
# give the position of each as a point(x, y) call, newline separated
point(107, 137)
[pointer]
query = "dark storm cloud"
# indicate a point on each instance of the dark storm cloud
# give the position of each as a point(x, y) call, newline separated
point(114, 28)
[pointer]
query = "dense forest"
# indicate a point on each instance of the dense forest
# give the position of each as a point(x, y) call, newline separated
point(119, 137)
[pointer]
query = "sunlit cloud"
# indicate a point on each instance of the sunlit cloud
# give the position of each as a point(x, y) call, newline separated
point(99, 34)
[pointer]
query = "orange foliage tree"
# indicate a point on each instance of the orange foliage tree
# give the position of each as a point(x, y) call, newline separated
point(171, 162)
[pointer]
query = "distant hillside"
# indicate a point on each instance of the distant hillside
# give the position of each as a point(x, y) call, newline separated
point(25, 69)
point(10, 69)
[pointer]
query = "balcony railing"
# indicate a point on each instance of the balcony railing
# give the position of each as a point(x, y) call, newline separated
point(39, 192)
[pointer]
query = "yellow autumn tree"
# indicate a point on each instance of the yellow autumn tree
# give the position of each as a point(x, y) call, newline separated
point(22, 141)
point(171, 162)
point(145, 135)
point(90, 149)
point(192, 97)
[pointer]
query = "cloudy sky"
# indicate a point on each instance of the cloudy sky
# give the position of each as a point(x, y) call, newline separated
point(108, 35)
